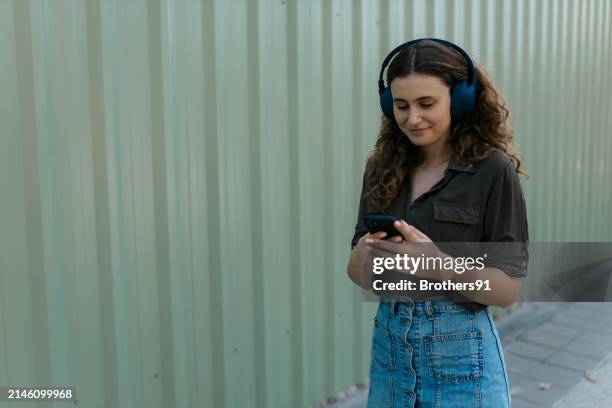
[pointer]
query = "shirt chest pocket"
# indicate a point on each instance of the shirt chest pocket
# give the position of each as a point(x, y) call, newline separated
point(457, 221)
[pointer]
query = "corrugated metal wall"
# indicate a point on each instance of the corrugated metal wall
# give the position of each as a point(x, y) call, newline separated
point(180, 181)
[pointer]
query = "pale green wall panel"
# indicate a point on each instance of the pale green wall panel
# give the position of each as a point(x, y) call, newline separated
point(180, 181)
point(16, 306)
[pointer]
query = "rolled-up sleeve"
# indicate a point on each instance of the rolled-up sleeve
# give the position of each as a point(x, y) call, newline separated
point(360, 227)
point(505, 227)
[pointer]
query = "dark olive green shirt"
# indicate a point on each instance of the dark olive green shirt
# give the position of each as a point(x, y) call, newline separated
point(478, 202)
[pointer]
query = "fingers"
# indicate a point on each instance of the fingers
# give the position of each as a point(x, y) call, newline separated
point(407, 231)
point(410, 233)
point(421, 235)
point(377, 236)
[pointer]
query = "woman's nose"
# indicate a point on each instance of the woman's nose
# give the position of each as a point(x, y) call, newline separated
point(413, 118)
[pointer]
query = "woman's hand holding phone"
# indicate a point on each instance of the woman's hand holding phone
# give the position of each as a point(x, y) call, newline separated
point(381, 236)
point(412, 242)
point(403, 244)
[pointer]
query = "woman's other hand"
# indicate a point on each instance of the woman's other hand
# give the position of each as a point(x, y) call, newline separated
point(412, 242)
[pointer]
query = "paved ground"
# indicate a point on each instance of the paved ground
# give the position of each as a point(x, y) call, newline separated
point(588, 394)
point(557, 351)
point(558, 355)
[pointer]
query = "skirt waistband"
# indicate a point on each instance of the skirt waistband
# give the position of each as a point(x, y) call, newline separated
point(423, 307)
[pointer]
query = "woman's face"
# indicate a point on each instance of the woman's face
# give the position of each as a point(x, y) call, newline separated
point(421, 104)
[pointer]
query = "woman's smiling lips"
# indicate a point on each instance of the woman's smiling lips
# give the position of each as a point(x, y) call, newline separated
point(418, 131)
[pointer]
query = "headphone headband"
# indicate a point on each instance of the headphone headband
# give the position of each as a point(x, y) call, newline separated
point(463, 93)
point(468, 60)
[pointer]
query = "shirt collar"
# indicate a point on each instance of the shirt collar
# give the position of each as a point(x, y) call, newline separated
point(457, 164)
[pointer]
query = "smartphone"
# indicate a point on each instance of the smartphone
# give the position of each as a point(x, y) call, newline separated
point(381, 222)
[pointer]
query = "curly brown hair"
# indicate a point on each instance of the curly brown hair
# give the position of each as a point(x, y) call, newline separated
point(486, 130)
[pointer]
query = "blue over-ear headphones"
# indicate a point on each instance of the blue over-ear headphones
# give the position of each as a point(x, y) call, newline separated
point(463, 93)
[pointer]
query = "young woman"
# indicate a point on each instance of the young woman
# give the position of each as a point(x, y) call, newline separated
point(443, 164)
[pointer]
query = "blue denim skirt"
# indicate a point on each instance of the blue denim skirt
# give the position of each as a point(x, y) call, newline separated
point(436, 354)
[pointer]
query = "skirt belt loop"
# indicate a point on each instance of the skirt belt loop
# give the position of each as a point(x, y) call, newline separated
point(428, 308)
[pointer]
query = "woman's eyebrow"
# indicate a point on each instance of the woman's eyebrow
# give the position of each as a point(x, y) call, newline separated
point(418, 99)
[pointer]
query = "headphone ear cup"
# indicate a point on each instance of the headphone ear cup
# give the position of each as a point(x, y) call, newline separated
point(463, 97)
point(386, 103)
